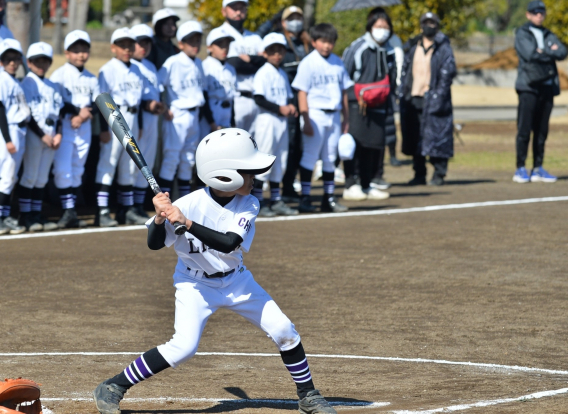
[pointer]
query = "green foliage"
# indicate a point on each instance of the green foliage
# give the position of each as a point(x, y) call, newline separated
point(117, 6)
point(209, 11)
point(557, 18)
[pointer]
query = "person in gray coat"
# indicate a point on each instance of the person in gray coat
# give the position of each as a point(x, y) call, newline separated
point(537, 84)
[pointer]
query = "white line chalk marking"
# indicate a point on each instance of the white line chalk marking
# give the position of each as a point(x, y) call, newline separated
point(462, 407)
point(365, 357)
point(314, 216)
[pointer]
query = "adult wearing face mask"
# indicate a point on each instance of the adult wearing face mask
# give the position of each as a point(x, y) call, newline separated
point(5, 33)
point(370, 60)
point(290, 21)
point(244, 56)
point(165, 28)
point(426, 113)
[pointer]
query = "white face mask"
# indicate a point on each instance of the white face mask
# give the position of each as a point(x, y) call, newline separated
point(380, 35)
point(294, 26)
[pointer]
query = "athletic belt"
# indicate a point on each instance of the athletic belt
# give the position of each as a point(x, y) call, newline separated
point(192, 109)
point(131, 109)
point(246, 94)
point(23, 124)
point(327, 111)
point(214, 275)
point(225, 104)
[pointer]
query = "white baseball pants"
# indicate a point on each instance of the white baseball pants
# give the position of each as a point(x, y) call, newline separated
point(37, 162)
point(180, 139)
point(199, 298)
point(271, 135)
point(10, 163)
point(323, 144)
point(71, 156)
point(114, 157)
point(148, 145)
point(246, 111)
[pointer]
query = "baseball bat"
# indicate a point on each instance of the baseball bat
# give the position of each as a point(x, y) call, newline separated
point(111, 113)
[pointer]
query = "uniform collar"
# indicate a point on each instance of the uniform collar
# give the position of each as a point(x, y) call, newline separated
point(75, 68)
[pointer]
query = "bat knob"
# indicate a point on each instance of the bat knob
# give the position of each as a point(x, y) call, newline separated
point(180, 228)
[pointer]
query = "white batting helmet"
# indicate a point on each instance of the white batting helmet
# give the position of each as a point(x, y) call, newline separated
point(225, 153)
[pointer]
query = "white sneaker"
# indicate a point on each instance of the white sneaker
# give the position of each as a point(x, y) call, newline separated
point(339, 177)
point(376, 194)
point(354, 193)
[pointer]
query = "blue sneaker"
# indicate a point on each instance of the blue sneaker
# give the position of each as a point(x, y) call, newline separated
point(521, 175)
point(541, 175)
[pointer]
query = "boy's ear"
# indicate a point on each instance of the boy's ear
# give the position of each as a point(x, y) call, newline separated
point(264, 55)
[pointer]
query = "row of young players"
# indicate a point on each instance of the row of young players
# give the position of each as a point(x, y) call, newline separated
point(59, 128)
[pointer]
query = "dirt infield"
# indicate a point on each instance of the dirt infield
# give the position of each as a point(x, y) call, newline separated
point(484, 284)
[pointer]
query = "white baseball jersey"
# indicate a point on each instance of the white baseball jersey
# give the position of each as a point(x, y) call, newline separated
point(246, 43)
point(183, 81)
point(78, 87)
point(273, 84)
point(13, 98)
point(45, 101)
point(221, 79)
point(237, 217)
point(323, 79)
point(149, 71)
point(125, 83)
point(5, 33)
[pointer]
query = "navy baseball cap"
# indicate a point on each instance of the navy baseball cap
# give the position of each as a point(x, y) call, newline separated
point(536, 6)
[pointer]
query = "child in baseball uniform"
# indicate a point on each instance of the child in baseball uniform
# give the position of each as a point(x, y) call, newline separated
point(210, 273)
point(321, 82)
point(272, 94)
point(220, 78)
point(184, 82)
point(79, 88)
point(43, 136)
point(124, 81)
point(14, 116)
point(148, 141)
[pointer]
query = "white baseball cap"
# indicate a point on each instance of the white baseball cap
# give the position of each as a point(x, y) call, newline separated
point(227, 2)
point(40, 49)
point(216, 34)
point(273, 39)
point(188, 28)
point(163, 14)
point(122, 33)
point(75, 36)
point(10, 44)
point(142, 31)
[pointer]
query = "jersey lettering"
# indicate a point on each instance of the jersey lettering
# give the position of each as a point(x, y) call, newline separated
point(243, 222)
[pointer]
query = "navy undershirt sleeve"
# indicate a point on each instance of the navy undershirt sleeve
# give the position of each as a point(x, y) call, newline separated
point(222, 242)
point(4, 124)
point(157, 235)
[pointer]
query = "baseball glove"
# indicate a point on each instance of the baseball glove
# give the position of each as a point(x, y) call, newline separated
point(19, 396)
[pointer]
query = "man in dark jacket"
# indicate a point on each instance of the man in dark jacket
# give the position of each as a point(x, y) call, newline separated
point(537, 84)
point(426, 111)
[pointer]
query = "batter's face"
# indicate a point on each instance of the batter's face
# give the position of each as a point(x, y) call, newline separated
point(247, 186)
point(11, 60)
point(39, 65)
point(323, 46)
point(220, 49)
point(142, 49)
point(275, 54)
point(78, 53)
point(190, 45)
point(123, 49)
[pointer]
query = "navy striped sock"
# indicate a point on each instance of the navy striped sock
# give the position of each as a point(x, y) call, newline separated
point(66, 197)
point(37, 199)
point(184, 187)
point(328, 182)
point(297, 364)
point(139, 195)
point(145, 366)
point(257, 189)
point(275, 191)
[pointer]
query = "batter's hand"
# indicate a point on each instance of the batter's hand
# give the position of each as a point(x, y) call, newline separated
point(104, 137)
point(11, 147)
point(162, 203)
point(175, 215)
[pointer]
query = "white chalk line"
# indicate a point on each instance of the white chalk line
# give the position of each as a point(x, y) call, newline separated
point(462, 407)
point(264, 355)
point(312, 216)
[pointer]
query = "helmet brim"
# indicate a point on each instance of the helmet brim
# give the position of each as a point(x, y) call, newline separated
point(259, 163)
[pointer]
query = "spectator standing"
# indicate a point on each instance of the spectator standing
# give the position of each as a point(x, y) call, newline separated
point(164, 22)
point(537, 84)
point(368, 60)
point(426, 113)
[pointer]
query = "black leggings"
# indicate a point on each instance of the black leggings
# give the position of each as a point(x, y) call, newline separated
point(368, 162)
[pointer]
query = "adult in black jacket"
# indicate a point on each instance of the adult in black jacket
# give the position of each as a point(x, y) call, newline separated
point(164, 22)
point(426, 113)
point(370, 59)
point(537, 83)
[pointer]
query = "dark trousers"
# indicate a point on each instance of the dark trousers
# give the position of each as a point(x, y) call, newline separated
point(533, 115)
point(368, 163)
point(419, 166)
point(294, 153)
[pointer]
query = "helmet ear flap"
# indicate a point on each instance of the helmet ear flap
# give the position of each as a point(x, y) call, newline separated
point(235, 182)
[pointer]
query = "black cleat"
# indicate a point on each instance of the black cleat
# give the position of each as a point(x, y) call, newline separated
point(417, 181)
point(280, 208)
point(13, 226)
point(132, 217)
point(306, 205)
point(330, 205)
point(314, 403)
point(104, 220)
point(108, 397)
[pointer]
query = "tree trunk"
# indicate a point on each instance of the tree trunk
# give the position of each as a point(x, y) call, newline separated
point(58, 29)
point(107, 11)
point(35, 20)
point(309, 13)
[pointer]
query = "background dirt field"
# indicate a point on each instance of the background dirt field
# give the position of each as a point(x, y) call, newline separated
point(485, 284)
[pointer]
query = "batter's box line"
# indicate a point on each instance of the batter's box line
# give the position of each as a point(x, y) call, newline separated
point(266, 355)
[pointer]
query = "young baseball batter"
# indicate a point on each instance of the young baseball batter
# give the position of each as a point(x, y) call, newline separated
point(210, 273)
point(220, 78)
point(148, 142)
point(131, 91)
point(321, 82)
point(272, 94)
point(43, 136)
point(183, 79)
point(79, 88)
point(14, 116)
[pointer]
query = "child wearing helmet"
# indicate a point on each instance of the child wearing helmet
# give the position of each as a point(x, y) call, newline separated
point(210, 272)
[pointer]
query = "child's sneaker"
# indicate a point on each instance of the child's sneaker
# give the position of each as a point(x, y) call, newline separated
point(541, 175)
point(355, 192)
point(521, 175)
point(314, 403)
